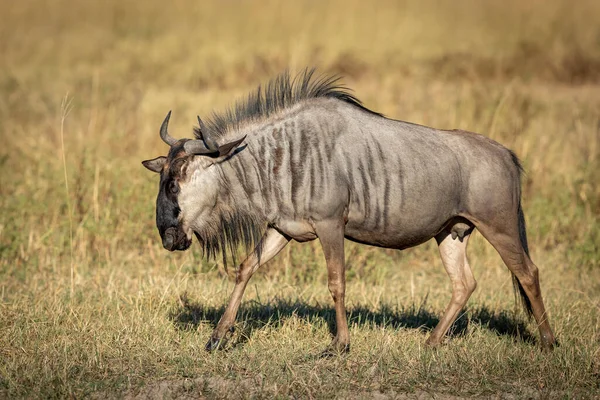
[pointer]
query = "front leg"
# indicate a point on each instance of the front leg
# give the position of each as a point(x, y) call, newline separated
point(331, 236)
point(272, 242)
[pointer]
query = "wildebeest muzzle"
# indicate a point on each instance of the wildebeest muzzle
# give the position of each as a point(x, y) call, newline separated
point(175, 239)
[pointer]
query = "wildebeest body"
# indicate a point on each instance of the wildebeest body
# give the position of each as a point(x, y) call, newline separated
point(397, 184)
point(305, 160)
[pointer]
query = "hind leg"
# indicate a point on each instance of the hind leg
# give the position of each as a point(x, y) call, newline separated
point(453, 251)
point(508, 245)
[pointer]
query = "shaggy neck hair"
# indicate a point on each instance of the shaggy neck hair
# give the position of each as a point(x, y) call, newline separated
point(227, 232)
point(232, 226)
point(278, 94)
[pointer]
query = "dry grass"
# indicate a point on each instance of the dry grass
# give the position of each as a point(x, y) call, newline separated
point(111, 313)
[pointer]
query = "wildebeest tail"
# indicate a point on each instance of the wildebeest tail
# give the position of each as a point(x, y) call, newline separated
point(519, 291)
point(517, 285)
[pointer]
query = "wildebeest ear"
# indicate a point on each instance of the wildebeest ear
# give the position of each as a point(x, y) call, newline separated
point(227, 148)
point(156, 164)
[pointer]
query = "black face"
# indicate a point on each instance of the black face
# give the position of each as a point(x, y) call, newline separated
point(167, 208)
point(171, 170)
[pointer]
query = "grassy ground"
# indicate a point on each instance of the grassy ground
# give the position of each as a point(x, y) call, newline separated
point(90, 303)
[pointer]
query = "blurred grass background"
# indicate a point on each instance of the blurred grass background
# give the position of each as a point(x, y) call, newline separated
point(90, 303)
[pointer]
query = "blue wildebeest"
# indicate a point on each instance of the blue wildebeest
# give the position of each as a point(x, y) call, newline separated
point(303, 159)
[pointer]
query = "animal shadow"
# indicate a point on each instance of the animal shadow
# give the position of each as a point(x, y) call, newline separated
point(254, 315)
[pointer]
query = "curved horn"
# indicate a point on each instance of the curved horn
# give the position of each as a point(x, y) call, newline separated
point(201, 125)
point(164, 134)
point(202, 129)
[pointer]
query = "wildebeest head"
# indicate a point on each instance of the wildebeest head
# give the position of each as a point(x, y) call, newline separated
point(173, 170)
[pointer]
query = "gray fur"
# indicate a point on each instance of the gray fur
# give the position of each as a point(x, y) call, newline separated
point(315, 163)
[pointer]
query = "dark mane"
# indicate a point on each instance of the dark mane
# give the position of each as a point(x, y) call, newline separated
point(279, 94)
point(228, 232)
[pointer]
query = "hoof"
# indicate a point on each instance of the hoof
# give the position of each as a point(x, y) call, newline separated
point(549, 347)
point(218, 343)
point(214, 343)
point(548, 342)
point(332, 351)
point(433, 343)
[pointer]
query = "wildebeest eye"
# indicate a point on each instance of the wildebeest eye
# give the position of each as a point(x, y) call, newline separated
point(173, 187)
